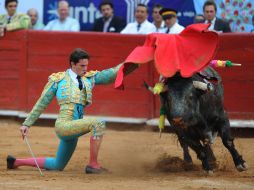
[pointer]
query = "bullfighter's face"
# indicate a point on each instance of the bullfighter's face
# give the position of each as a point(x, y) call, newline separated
point(80, 68)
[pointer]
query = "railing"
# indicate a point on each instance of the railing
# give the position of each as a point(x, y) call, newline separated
point(27, 58)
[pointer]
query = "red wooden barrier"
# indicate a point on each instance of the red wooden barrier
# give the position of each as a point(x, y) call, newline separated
point(28, 57)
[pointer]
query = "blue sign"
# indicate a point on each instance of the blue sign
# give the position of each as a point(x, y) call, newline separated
point(87, 11)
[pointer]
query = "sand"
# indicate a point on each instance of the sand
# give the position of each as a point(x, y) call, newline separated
point(135, 160)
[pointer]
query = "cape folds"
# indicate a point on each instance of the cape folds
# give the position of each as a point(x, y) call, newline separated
point(187, 52)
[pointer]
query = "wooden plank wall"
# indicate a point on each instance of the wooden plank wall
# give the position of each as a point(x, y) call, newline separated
point(27, 58)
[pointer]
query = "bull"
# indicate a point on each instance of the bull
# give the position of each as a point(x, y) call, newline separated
point(194, 109)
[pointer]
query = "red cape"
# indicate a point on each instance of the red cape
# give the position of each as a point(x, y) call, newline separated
point(187, 52)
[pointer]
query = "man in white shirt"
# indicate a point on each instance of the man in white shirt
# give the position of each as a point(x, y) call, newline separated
point(64, 22)
point(141, 25)
point(170, 18)
point(157, 19)
point(35, 24)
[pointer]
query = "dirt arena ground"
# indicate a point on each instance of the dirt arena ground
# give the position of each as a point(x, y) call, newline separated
point(136, 160)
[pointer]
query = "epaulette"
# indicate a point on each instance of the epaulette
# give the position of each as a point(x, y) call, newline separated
point(91, 73)
point(56, 77)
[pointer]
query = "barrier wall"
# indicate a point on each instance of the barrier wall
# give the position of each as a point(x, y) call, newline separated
point(27, 58)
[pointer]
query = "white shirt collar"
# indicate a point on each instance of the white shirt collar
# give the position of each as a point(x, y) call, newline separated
point(141, 23)
point(212, 22)
point(72, 73)
point(73, 76)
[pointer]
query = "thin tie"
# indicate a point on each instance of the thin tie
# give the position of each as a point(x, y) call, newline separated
point(138, 27)
point(167, 31)
point(80, 84)
point(9, 20)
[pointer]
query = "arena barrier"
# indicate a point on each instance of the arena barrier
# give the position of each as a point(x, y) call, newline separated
point(27, 58)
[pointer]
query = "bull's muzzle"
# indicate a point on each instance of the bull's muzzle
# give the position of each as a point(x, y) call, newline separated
point(178, 122)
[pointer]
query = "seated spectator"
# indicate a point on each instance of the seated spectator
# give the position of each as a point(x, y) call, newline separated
point(12, 20)
point(64, 22)
point(217, 24)
point(108, 22)
point(199, 18)
point(170, 18)
point(157, 19)
point(35, 24)
point(141, 25)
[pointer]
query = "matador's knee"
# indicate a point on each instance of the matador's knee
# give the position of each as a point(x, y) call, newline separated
point(98, 128)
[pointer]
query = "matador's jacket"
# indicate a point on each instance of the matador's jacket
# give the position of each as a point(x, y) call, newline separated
point(70, 122)
point(18, 21)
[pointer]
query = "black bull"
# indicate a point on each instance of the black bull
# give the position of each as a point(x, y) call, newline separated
point(196, 115)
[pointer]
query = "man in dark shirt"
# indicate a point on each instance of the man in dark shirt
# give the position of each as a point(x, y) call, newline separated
point(108, 22)
point(217, 24)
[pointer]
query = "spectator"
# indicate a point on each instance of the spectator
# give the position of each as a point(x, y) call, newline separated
point(108, 22)
point(199, 18)
point(12, 20)
point(170, 18)
point(252, 30)
point(64, 22)
point(157, 19)
point(217, 24)
point(141, 25)
point(35, 24)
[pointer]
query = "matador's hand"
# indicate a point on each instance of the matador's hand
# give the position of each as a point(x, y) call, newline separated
point(24, 131)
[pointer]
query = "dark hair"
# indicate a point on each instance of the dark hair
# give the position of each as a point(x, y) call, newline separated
point(159, 6)
point(106, 2)
point(78, 54)
point(199, 20)
point(9, 1)
point(143, 5)
point(208, 3)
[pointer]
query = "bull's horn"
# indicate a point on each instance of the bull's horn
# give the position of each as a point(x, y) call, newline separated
point(148, 87)
point(200, 85)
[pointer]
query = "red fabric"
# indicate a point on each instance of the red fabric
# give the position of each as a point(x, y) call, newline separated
point(187, 52)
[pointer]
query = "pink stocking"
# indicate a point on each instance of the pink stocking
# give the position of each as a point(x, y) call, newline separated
point(30, 162)
point(94, 150)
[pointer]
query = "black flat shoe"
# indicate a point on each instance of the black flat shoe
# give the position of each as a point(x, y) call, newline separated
point(91, 170)
point(10, 162)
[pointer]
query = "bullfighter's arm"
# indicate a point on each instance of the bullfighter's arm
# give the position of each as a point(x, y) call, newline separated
point(46, 97)
point(109, 75)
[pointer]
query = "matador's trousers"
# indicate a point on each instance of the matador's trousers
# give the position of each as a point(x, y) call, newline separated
point(70, 125)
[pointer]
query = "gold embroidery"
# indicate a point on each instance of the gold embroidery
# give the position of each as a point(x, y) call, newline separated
point(90, 74)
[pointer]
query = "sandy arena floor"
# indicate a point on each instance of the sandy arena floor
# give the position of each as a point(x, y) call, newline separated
point(131, 157)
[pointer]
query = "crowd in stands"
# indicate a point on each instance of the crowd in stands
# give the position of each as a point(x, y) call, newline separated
point(164, 19)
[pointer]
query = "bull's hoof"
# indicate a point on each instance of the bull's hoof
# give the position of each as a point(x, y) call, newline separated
point(188, 159)
point(242, 167)
point(209, 172)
